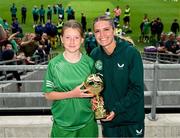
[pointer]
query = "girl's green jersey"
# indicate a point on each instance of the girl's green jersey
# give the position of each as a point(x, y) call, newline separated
point(62, 76)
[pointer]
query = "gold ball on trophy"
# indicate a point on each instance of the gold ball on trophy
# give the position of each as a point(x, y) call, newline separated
point(95, 83)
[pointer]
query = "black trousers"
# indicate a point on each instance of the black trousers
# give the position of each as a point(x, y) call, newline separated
point(23, 19)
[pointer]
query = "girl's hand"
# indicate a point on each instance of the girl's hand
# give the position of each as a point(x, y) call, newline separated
point(78, 92)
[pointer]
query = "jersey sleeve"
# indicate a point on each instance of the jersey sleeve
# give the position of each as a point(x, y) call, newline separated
point(48, 83)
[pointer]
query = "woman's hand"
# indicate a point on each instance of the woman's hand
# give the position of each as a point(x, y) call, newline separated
point(78, 92)
point(109, 117)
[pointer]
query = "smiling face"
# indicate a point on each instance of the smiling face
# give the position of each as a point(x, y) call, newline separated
point(104, 33)
point(72, 40)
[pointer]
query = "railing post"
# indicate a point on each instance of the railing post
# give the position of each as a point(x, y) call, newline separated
point(5, 73)
point(152, 116)
point(3, 99)
point(157, 57)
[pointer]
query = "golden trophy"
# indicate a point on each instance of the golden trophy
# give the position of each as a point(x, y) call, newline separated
point(95, 84)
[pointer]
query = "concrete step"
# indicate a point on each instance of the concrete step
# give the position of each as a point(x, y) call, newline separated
point(167, 126)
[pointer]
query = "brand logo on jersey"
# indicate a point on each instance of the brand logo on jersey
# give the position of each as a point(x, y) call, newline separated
point(139, 132)
point(98, 65)
point(120, 65)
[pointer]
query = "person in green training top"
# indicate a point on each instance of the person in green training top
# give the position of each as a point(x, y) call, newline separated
point(71, 109)
point(121, 65)
point(13, 11)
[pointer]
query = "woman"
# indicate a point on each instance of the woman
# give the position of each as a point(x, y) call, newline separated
point(71, 108)
point(121, 66)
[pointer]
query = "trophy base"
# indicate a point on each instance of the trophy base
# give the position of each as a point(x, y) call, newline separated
point(100, 117)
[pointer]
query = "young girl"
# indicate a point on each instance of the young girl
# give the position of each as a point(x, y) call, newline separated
point(71, 108)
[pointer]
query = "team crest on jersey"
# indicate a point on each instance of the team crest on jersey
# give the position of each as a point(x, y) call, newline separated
point(98, 65)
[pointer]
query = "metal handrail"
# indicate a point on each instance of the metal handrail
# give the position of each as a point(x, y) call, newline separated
point(24, 81)
point(40, 94)
point(154, 93)
point(22, 67)
point(21, 95)
point(161, 57)
point(43, 67)
point(10, 61)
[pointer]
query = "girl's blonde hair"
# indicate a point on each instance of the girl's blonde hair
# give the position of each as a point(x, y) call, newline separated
point(72, 24)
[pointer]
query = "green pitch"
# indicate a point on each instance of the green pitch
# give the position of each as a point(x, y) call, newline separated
point(166, 10)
